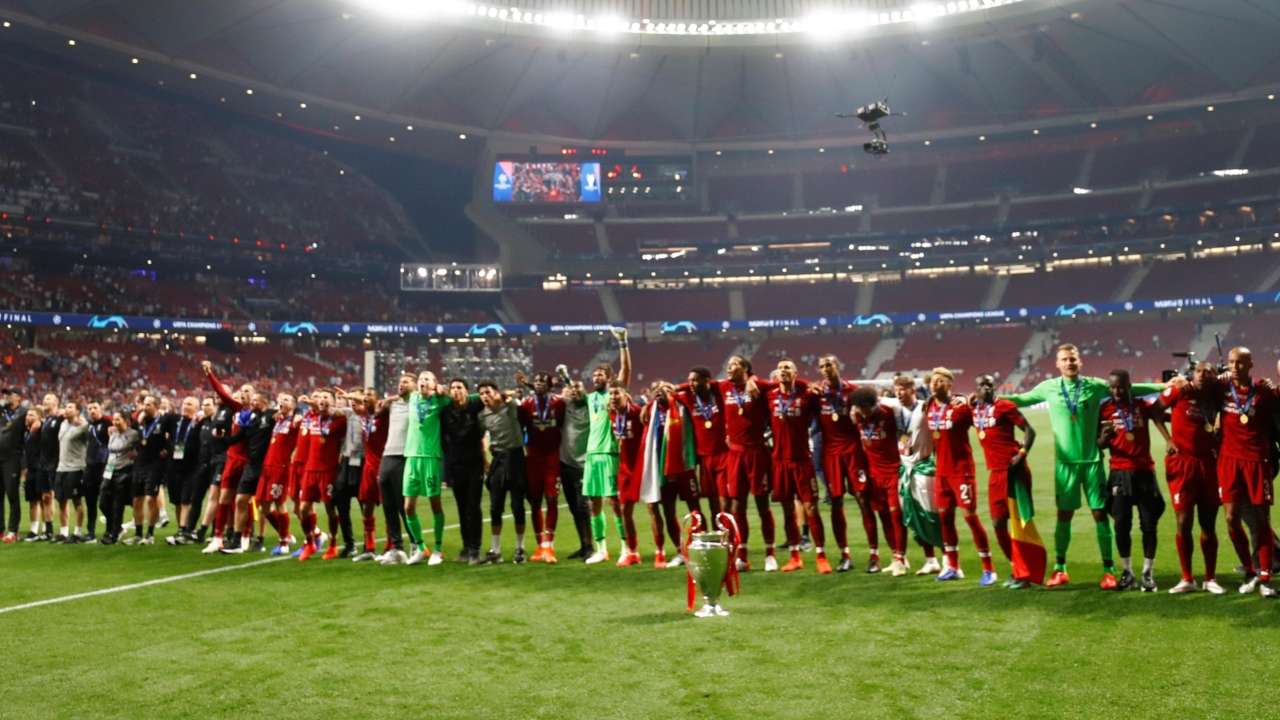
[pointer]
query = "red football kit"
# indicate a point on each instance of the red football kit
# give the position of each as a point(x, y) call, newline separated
point(1130, 445)
point(630, 432)
point(1245, 471)
point(746, 419)
point(326, 433)
point(878, 433)
point(709, 437)
point(542, 418)
point(792, 466)
point(237, 457)
point(956, 484)
point(995, 423)
point(273, 485)
point(374, 431)
point(1192, 470)
point(843, 457)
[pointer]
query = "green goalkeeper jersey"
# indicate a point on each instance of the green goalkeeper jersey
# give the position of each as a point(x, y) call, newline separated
point(423, 438)
point(600, 437)
point(1075, 435)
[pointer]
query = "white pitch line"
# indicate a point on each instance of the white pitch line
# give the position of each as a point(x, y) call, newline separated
point(171, 579)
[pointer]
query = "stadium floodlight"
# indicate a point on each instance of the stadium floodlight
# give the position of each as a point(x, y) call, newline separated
point(1231, 172)
point(924, 12)
point(420, 9)
point(1081, 190)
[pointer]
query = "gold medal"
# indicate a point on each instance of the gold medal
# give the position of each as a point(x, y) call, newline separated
point(1244, 419)
point(982, 434)
point(937, 435)
point(1128, 437)
point(707, 424)
point(835, 417)
point(740, 410)
point(1208, 427)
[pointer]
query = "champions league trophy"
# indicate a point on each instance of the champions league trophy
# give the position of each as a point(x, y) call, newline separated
point(711, 556)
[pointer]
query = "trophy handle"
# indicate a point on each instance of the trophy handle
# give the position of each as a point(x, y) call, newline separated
point(729, 526)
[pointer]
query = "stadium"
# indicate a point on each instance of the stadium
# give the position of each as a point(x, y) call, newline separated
point(228, 216)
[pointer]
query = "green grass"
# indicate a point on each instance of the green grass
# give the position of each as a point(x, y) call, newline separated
point(568, 641)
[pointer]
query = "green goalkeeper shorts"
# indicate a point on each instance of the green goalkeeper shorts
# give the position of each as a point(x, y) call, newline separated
point(601, 475)
point(423, 476)
point(1072, 478)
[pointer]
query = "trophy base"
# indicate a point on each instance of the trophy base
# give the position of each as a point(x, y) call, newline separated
point(710, 611)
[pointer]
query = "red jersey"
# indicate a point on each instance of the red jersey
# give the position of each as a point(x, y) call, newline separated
point(325, 433)
point(235, 451)
point(629, 430)
point(838, 435)
point(995, 423)
point(879, 439)
point(284, 437)
point(1191, 415)
point(374, 430)
point(708, 441)
point(1246, 440)
point(950, 425)
point(542, 420)
point(746, 417)
point(790, 416)
point(1129, 421)
point(303, 445)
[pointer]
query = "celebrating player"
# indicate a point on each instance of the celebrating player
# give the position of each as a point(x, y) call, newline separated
point(600, 476)
point(794, 479)
point(628, 428)
point(1074, 403)
point(878, 428)
point(542, 416)
point(1132, 482)
point(1006, 463)
point(424, 466)
point(844, 463)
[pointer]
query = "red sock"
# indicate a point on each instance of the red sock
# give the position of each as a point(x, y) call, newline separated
point(873, 534)
point(1241, 543)
point(767, 527)
point(790, 528)
point(1005, 542)
point(1265, 554)
point(950, 539)
point(840, 525)
point(816, 530)
point(553, 514)
point(309, 527)
point(220, 519)
point(369, 525)
point(1209, 548)
point(980, 540)
point(1183, 542)
point(744, 528)
point(659, 535)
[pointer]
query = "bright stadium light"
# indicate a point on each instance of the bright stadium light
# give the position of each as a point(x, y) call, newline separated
point(1081, 190)
point(1231, 172)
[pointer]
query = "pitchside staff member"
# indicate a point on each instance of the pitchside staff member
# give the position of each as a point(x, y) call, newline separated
point(31, 469)
point(48, 460)
point(507, 472)
point(180, 466)
point(215, 421)
point(573, 455)
point(391, 474)
point(463, 437)
point(73, 444)
point(13, 416)
point(148, 471)
point(95, 463)
point(117, 476)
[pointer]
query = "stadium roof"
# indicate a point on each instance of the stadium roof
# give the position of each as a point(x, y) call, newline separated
point(526, 71)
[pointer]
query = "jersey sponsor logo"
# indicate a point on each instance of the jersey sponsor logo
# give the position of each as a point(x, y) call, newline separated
point(98, 322)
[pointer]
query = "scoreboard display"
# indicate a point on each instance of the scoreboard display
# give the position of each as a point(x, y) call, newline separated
point(546, 182)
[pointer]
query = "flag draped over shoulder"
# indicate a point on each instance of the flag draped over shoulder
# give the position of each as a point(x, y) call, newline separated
point(668, 450)
point(1029, 556)
point(918, 513)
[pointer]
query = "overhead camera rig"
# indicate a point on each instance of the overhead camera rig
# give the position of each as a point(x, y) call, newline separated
point(871, 115)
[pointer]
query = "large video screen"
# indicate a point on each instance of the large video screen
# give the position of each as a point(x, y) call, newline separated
point(546, 182)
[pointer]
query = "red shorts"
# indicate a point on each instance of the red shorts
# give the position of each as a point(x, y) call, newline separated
point(1245, 481)
point(792, 479)
point(317, 485)
point(840, 470)
point(746, 470)
point(628, 483)
point(1193, 481)
point(543, 470)
point(295, 482)
point(685, 486)
point(370, 493)
point(232, 471)
point(881, 492)
point(711, 473)
point(998, 493)
point(273, 484)
point(956, 490)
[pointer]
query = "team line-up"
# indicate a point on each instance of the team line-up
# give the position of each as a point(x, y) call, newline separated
point(242, 460)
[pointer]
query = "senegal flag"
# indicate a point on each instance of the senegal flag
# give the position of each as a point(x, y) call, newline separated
point(668, 450)
point(1029, 556)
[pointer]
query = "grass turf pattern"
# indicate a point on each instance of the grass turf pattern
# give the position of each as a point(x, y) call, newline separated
point(342, 640)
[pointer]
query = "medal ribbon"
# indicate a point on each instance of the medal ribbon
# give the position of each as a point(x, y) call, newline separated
point(1073, 401)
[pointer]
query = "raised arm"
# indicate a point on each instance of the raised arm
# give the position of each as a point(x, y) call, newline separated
point(222, 391)
point(624, 356)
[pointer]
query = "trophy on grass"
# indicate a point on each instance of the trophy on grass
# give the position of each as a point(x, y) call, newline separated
point(710, 556)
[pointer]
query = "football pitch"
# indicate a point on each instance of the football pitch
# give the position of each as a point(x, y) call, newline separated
point(342, 640)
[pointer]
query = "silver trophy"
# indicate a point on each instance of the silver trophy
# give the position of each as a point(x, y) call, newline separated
point(710, 557)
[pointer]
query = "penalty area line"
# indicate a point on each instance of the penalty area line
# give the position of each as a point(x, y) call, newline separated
point(170, 579)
